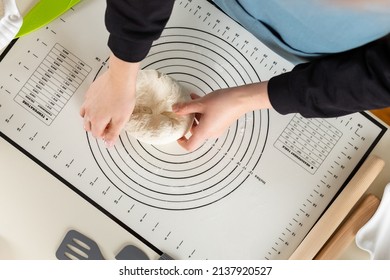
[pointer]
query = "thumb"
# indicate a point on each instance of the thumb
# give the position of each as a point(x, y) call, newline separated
point(193, 142)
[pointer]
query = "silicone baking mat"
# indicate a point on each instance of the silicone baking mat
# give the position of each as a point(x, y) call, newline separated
point(253, 193)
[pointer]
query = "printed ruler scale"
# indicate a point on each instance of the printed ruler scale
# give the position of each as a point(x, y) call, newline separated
point(253, 193)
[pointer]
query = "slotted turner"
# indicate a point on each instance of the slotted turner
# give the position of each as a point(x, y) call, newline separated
point(77, 246)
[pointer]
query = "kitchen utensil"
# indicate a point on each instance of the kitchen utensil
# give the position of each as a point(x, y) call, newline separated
point(345, 234)
point(130, 252)
point(77, 246)
point(339, 209)
point(42, 13)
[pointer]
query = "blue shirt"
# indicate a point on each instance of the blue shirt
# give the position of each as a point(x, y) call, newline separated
point(309, 28)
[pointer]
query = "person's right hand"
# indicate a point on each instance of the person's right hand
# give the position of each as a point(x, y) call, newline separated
point(216, 111)
point(110, 100)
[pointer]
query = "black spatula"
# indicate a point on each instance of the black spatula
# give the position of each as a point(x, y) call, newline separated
point(77, 246)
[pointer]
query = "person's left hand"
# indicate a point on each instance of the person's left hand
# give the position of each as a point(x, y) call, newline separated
point(110, 101)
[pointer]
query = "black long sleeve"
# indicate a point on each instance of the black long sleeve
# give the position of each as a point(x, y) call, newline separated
point(340, 84)
point(335, 85)
point(134, 25)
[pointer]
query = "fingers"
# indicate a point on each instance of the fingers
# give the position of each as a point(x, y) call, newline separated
point(192, 143)
point(190, 107)
point(196, 139)
point(112, 132)
point(102, 127)
point(82, 111)
point(107, 130)
point(87, 125)
point(194, 96)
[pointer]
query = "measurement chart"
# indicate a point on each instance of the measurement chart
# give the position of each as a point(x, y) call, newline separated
point(253, 193)
point(308, 142)
point(52, 84)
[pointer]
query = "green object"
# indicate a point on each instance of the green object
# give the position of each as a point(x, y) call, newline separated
point(42, 13)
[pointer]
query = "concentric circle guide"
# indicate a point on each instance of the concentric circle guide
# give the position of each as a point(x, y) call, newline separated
point(168, 177)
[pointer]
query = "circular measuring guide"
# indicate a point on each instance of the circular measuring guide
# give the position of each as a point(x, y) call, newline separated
point(169, 177)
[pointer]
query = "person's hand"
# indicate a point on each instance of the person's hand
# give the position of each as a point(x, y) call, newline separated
point(110, 101)
point(216, 111)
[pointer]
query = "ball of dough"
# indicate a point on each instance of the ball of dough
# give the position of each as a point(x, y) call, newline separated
point(153, 121)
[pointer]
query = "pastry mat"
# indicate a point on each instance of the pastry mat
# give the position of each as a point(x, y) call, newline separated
point(253, 193)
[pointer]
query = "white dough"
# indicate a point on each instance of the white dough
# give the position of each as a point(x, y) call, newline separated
point(153, 121)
